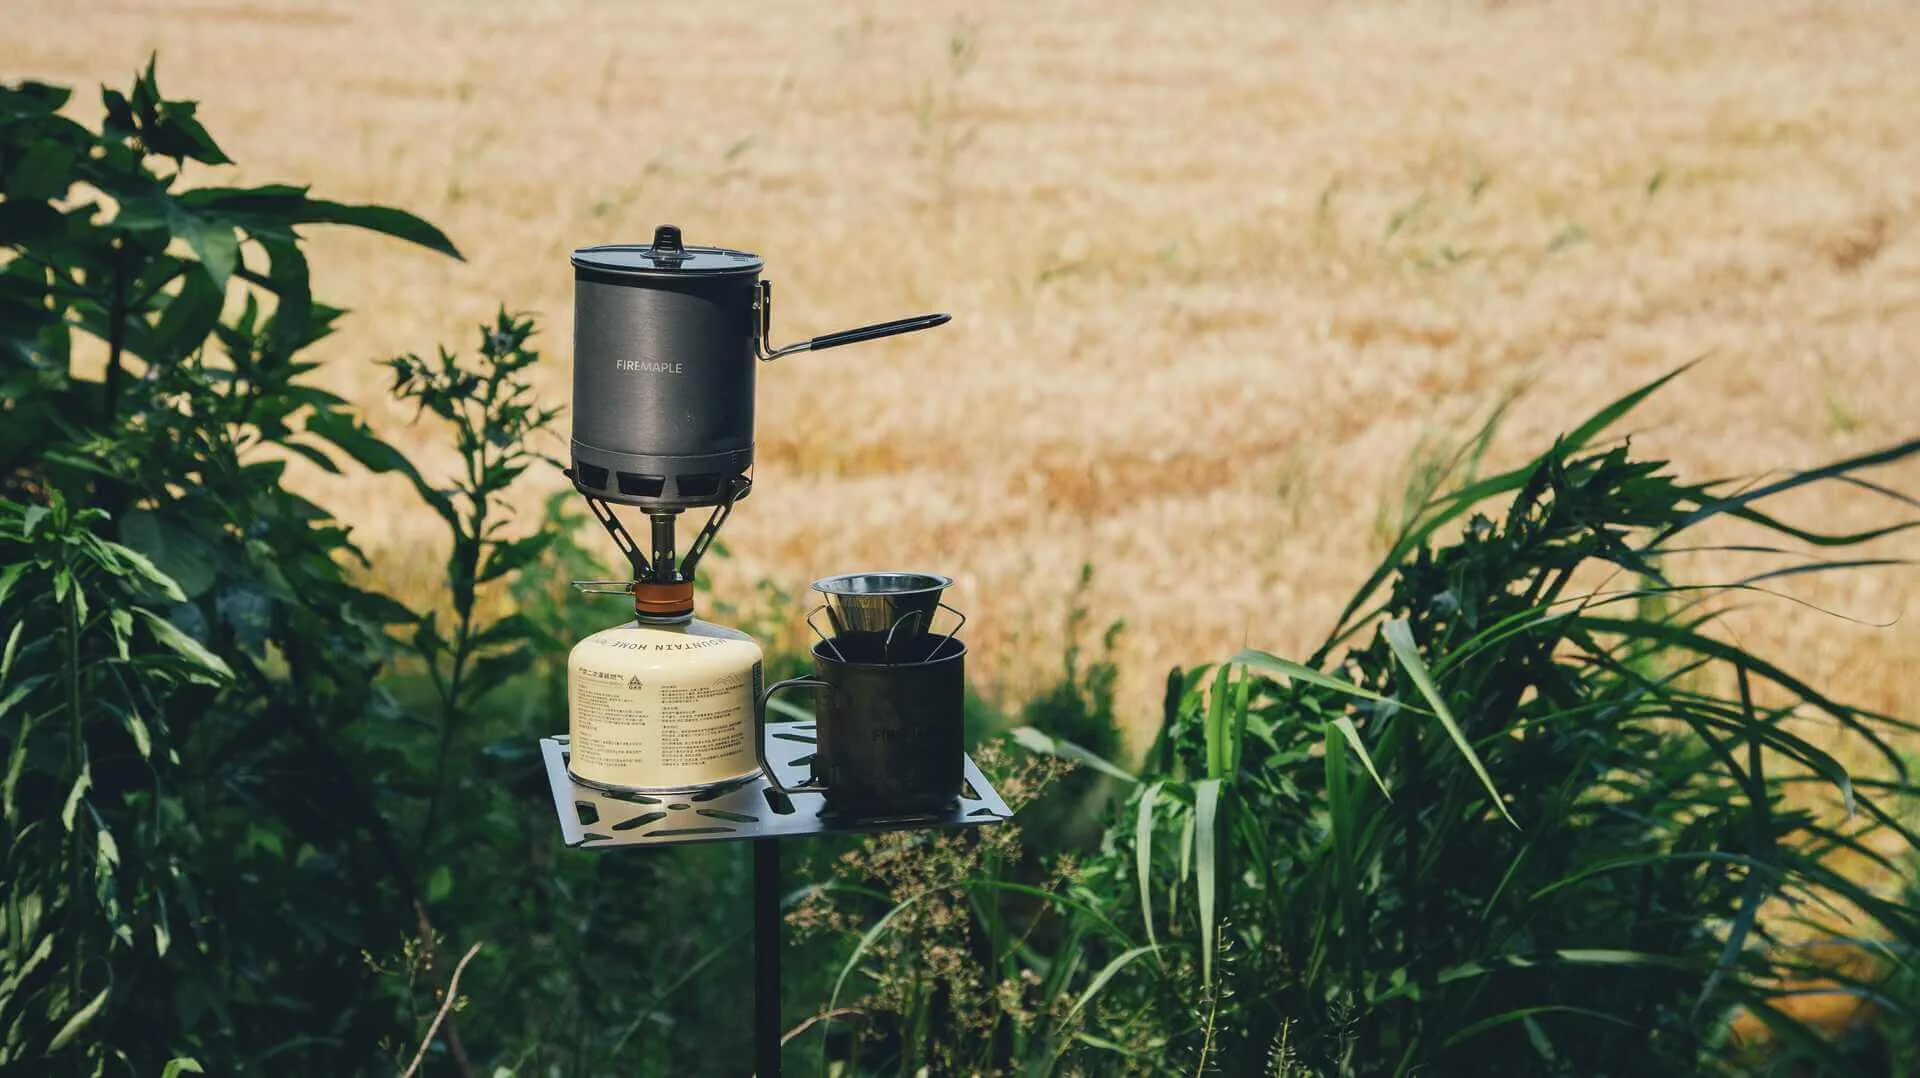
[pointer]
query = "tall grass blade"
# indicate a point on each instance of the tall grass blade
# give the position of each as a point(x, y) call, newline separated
point(1035, 740)
point(1520, 1014)
point(1399, 637)
point(1143, 857)
point(1206, 808)
point(1294, 671)
point(1106, 974)
point(1352, 735)
point(1242, 695)
point(867, 940)
point(1736, 504)
point(1340, 822)
point(1216, 728)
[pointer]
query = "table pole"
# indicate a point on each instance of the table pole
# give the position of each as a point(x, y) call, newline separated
point(766, 958)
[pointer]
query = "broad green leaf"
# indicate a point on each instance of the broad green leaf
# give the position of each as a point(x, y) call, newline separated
point(283, 206)
point(439, 884)
point(1034, 740)
point(504, 558)
point(173, 548)
point(41, 174)
point(1143, 856)
point(213, 241)
point(40, 953)
point(137, 731)
point(313, 454)
point(1206, 807)
point(145, 568)
point(182, 1065)
point(78, 1021)
point(186, 646)
point(10, 576)
point(122, 622)
point(358, 442)
point(34, 515)
point(1106, 974)
point(1399, 637)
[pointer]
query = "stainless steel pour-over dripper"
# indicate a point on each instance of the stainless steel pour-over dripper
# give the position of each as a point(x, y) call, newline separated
point(887, 605)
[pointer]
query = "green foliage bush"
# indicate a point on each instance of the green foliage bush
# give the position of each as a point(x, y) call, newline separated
point(255, 810)
point(1501, 824)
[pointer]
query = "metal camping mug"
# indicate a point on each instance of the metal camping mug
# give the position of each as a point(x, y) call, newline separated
point(889, 737)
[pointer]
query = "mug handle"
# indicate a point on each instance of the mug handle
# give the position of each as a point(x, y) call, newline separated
point(760, 729)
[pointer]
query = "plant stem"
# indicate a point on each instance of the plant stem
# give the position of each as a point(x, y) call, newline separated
point(76, 760)
point(453, 990)
point(116, 331)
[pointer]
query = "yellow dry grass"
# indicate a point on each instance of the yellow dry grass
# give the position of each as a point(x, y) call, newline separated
point(1218, 270)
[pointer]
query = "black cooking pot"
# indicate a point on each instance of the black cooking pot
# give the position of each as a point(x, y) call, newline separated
point(665, 340)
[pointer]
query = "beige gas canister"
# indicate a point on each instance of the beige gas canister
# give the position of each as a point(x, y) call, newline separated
point(663, 707)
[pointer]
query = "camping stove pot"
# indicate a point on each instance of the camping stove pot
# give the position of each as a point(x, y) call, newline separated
point(665, 341)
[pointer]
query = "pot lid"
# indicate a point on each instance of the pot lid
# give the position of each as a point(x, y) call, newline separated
point(666, 256)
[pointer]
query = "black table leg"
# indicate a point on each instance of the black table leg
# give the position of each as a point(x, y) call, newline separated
point(766, 958)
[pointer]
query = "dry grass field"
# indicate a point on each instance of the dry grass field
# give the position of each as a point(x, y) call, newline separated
point(1221, 272)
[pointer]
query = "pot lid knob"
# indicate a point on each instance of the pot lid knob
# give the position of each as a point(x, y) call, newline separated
point(667, 247)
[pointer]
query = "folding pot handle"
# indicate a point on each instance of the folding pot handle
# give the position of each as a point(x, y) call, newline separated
point(767, 352)
point(760, 731)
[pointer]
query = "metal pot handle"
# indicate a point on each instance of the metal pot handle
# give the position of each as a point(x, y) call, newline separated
point(760, 731)
point(767, 353)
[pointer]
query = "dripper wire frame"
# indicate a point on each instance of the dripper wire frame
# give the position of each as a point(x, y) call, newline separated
point(886, 648)
point(824, 638)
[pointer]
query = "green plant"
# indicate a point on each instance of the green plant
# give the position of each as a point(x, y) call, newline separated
point(86, 883)
point(199, 300)
point(1511, 818)
point(961, 962)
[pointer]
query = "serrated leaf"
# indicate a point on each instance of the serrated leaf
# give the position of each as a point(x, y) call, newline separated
point(1399, 637)
point(213, 242)
point(78, 1022)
